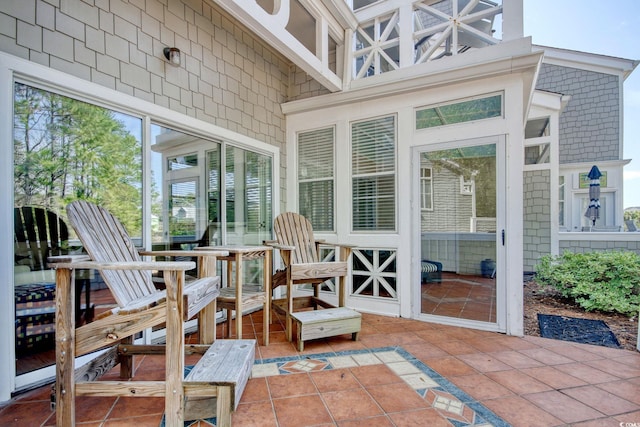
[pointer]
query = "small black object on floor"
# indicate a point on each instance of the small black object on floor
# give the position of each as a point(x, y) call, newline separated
point(585, 331)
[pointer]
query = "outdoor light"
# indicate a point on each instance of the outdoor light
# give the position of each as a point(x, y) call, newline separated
point(173, 55)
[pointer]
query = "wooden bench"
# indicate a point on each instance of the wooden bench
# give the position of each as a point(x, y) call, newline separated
point(326, 323)
point(225, 367)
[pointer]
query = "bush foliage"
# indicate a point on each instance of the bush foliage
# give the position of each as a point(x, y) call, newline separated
point(605, 281)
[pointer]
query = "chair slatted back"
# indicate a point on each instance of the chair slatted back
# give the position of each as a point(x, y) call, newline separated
point(38, 233)
point(293, 229)
point(106, 240)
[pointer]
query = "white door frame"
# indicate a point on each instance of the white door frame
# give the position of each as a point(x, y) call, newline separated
point(501, 253)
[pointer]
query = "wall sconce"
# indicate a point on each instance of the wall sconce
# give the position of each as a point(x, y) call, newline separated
point(173, 55)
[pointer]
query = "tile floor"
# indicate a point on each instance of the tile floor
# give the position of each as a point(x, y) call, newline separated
point(480, 377)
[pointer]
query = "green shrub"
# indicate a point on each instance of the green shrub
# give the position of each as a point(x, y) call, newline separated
point(604, 281)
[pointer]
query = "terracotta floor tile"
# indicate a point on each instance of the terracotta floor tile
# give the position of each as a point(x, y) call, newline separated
point(620, 370)
point(518, 382)
point(563, 407)
point(575, 352)
point(487, 345)
point(586, 373)
point(26, 414)
point(379, 421)
point(397, 397)
point(290, 385)
point(481, 387)
point(375, 375)
point(604, 352)
point(520, 412)
point(628, 390)
point(601, 400)
point(424, 350)
point(90, 408)
point(345, 344)
point(139, 421)
point(484, 362)
point(256, 390)
point(516, 359)
point(254, 414)
point(351, 404)
point(450, 367)
point(334, 380)
point(456, 347)
point(553, 377)
point(379, 340)
point(510, 364)
point(600, 422)
point(631, 359)
point(546, 356)
point(301, 411)
point(422, 417)
point(516, 343)
point(135, 406)
point(631, 417)
point(278, 350)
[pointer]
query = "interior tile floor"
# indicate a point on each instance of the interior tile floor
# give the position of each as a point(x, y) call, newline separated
point(470, 378)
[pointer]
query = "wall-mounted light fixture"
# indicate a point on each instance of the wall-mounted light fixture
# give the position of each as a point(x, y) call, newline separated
point(173, 55)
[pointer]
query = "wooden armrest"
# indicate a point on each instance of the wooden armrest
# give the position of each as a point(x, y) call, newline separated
point(345, 245)
point(194, 253)
point(128, 265)
point(67, 259)
point(278, 246)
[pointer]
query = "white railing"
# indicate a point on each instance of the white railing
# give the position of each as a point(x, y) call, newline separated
point(418, 32)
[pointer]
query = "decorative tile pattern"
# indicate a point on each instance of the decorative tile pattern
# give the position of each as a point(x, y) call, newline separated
point(455, 405)
point(448, 400)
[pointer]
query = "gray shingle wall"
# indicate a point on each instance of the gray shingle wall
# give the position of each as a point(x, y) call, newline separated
point(537, 218)
point(582, 246)
point(590, 125)
point(451, 209)
point(228, 77)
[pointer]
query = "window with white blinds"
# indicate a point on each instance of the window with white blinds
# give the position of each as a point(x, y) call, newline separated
point(374, 169)
point(316, 177)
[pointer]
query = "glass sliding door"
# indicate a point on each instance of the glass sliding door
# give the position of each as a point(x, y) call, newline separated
point(248, 197)
point(64, 150)
point(458, 216)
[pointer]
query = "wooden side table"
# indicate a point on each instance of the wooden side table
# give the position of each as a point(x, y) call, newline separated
point(238, 254)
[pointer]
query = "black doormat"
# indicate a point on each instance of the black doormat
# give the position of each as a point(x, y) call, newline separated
point(585, 331)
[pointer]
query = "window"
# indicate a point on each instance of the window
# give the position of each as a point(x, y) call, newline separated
point(315, 177)
point(426, 187)
point(474, 109)
point(182, 162)
point(374, 167)
point(537, 147)
point(66, 149)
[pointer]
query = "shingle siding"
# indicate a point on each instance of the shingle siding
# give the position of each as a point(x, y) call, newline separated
point(586, 246)
point(537, 217)
point(590, 124)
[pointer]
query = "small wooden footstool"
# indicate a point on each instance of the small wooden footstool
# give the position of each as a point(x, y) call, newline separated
point(326, 323)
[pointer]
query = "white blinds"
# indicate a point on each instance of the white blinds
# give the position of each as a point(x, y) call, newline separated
point(373, 167)
point(316, 177)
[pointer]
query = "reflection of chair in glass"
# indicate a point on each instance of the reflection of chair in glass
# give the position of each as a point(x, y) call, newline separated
point(39, 233)
point(431, 271)
point(302, 265)
point(222, 371)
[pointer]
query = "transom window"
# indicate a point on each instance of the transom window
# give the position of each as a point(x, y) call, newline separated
point(459, 112)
